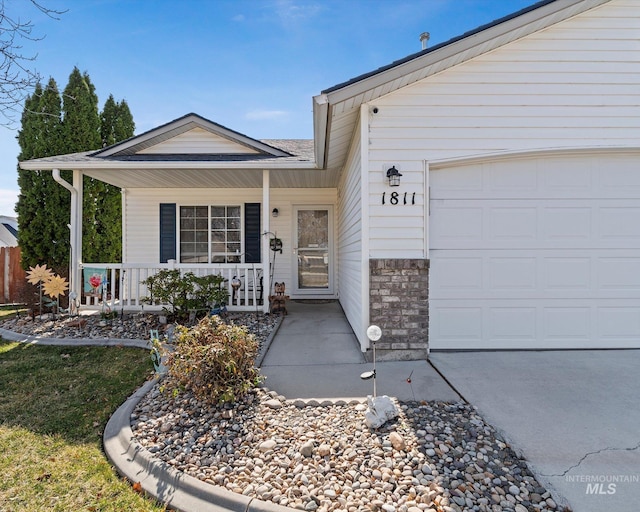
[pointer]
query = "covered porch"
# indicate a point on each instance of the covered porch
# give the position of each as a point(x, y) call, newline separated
point(192, 167)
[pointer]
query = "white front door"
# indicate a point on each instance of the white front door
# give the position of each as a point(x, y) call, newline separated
point(313, 250)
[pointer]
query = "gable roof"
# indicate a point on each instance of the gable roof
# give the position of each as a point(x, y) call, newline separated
point(192, 151)
point(336, 108)
point(151, 142)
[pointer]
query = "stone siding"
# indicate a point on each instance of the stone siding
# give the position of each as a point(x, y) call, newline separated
point(399, 305)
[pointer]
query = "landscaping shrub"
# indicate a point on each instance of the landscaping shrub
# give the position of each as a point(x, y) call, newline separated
point(185, 293)
point(213, 360)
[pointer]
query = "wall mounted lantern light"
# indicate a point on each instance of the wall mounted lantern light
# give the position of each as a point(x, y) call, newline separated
point(394, 176)
point(275, 213)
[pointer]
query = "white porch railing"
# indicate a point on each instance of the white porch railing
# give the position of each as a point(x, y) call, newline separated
point(125, 290)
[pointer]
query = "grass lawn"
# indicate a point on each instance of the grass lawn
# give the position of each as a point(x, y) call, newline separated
point(54, 405)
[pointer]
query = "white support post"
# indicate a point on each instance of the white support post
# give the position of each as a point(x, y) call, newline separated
point(266, 228)
point(77, 219)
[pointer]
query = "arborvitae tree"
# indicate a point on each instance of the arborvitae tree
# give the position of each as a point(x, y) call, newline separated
point(116, 125)
point(116, 122)
point(81, 128)
point(81, 121)
point(52, 127)
point(43, 206)
point(31, 219)
point(124, 126)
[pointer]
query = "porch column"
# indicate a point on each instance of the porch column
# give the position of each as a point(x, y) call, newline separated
point(78, 184)
point(75, 227)
point(266, 226)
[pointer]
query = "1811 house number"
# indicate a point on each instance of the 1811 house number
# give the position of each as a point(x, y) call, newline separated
point(398, 198)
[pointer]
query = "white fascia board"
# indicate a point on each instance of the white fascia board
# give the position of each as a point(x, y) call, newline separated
point(320, 125)
point(97, 165)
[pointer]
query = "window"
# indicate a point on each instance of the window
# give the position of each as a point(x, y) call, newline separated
point(210, 234)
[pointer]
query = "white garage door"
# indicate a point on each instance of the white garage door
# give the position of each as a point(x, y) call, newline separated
point(536, 253)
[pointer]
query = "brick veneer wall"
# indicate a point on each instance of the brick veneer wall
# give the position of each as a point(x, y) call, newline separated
point(398, 304)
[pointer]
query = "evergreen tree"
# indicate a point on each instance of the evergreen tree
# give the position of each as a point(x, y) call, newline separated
point(116, 122)
point(81, 129)
point(51, 126)
point(81, 121)
point(43, 206)
point(116, 125)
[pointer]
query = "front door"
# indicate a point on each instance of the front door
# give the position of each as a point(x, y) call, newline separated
point(313, 250)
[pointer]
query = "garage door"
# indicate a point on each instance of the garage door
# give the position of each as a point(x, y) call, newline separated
point(536, 253)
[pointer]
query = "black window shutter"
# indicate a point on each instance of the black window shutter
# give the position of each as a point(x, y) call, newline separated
point(252, 250)
point(167, 232)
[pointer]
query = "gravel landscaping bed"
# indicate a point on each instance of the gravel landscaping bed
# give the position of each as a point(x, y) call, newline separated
point(434, 457)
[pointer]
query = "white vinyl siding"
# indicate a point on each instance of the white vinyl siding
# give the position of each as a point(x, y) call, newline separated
point(349, 238)
point(142, 231)
point(142, 237)
point(197, 141)
point(574, 84)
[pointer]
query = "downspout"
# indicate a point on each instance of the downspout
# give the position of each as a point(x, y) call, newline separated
point(73, 237)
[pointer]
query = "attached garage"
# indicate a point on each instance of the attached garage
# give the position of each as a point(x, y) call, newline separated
point(536, 251)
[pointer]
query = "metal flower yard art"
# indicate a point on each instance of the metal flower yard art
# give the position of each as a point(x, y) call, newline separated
point(52, 285)
point(55, 287)
point(37, 276)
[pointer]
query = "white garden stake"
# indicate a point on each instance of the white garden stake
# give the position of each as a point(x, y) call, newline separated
point(381, 409)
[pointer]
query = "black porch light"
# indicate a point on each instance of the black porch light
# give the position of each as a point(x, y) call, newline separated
point(394, 176)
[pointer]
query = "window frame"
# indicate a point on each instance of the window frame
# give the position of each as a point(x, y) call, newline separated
point(229, 257)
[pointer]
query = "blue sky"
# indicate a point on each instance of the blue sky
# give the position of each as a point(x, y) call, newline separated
point(251, 65)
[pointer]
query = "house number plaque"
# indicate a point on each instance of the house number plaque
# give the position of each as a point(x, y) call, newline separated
point(399, 198)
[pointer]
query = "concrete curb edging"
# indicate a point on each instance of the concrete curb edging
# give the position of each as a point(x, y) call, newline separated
point(169, 486)
point(70, 342)
point(267, 343)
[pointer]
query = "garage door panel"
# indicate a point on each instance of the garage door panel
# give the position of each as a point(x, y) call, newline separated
point(568, 273)
point(619, 323)
point(619, 273)
point(511, 224)
point(458, 323)
point(457, 275)
point(620, 179)
point(567, 324)
point(514, 274)
point(511, 324)
point(620, 224)
point(457, 225)
point(567, 223)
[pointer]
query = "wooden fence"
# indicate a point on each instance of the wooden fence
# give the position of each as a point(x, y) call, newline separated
point(12, 276)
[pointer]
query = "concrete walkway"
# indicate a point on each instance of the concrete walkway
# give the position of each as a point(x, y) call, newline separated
point(574, 415)
point(316, 355)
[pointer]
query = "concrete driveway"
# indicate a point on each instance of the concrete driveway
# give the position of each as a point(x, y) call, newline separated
point(574, 415)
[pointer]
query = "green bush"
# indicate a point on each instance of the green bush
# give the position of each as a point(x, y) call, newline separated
point(186, 292)
point(213, 360)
